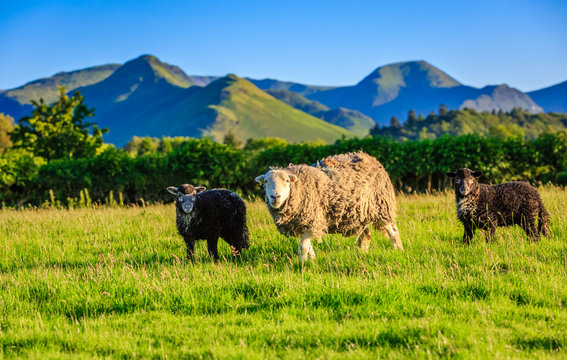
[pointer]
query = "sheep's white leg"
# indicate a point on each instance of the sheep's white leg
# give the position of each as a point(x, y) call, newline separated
point(305, 247)
point(394, 235)
point(363, 239)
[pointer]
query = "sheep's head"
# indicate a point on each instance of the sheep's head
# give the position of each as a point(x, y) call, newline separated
point(276, 185)
point(465, 180)
point(186, 195)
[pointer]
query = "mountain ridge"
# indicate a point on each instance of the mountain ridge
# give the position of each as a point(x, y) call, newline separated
point(552, 98)
point(146, 97)
point(160, 89)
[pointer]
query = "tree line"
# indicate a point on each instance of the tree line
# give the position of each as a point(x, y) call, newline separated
point(515, 123)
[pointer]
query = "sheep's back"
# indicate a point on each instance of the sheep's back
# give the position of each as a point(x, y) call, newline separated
point(219, 203)
point(214, 210)
point(515, 197)
point(360, 192)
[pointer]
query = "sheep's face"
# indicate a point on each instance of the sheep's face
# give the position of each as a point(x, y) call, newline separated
point(186, 195)
point(465, 180)
point(276, 185)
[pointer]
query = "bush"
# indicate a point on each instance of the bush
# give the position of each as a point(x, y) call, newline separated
point(412, 165)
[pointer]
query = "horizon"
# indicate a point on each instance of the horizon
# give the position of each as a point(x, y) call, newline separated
point(478, 44)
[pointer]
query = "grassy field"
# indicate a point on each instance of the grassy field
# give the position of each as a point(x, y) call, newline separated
point(113, 283)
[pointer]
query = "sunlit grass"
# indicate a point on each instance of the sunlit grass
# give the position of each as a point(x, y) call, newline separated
point(113, 282)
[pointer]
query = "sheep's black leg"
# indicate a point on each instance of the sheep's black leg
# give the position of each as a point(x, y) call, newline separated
point(469, 233)
point(529, 226)
point(213, 248)
point(190, 247)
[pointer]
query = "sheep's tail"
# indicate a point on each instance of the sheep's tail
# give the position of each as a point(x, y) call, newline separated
point(543, 223)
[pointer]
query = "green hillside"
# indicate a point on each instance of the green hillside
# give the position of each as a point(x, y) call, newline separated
point(352, 120)
point(299, 102)
point(47, 88)
point(146, 97)
point(235, 104)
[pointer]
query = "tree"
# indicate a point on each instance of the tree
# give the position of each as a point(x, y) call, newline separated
point(442, 110)
point(412, 118)
point(394, 122)
point(142, 145)
point(431, 117)
point(264, 143)
point(231, 140)
point(59, 130)
point(6, 126)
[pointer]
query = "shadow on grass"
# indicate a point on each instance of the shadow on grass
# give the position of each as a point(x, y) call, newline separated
point(538, 343)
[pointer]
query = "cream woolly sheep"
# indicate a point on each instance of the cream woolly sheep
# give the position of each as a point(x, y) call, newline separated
point(342, 194)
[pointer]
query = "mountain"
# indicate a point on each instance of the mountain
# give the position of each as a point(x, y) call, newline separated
point(137, 81)
point(46, 88)
point(233, 103)
point(553, 98)
point(301, 89)
point(503, 98)
point(351, 120)
point(146, 97)
point(393, 90)
point(12, 107)
point(200, 80)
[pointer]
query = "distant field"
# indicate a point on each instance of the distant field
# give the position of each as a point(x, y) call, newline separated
point(113, 283)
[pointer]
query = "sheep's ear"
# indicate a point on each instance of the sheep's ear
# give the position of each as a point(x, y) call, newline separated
point(292, 178)
point(451, 174)
point(260, 179)
point(477, 173)
point(173, 190)
point(198, 189)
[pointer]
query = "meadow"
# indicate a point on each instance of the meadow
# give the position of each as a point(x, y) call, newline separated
point(113, 282)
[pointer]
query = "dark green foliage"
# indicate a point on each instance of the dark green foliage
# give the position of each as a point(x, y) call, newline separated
point(144, 171)
point(199, 162)
point(515, 123)
point(18, 172)
point(59, 130)
point(421, 165)
point(6, 125)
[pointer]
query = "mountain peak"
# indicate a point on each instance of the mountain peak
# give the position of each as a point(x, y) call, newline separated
point(385, 83)
point(416, 73)
point(150, 68)
point(147, 57)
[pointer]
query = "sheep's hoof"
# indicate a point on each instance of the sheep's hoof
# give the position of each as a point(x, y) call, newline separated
point(363, 246)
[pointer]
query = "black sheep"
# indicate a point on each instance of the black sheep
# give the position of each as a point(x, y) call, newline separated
point(481, 206)
point(208, 215)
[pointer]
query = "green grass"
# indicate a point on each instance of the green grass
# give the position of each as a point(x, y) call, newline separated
point(114, 283)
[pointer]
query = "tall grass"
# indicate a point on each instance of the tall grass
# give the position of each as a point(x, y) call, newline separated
point(113, 282)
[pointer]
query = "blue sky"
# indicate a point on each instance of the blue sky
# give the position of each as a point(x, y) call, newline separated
point(521, 43)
